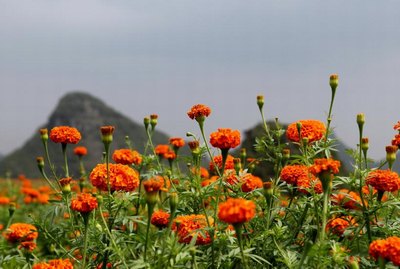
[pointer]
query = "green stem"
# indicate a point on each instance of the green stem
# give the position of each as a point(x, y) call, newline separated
point(53, 171)
point(328, 120)
point(324, 214)
point(150, 208)
point(85, 240)
point(238, 230)
point(64, 151)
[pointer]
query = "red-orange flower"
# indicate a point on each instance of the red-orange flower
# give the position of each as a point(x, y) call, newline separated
point(225, 138)
point(322, 165)
point(153, 184)
point(54, 264)
point(160, 219)
point(161, 149)
point(250, 183)
point(84, 203)
point(291, 173)
point(65, 135)
point(304, 183)
point(397, 126)
point(122, 177)
point(338, 225)
point(384, 180)
point(20, 232)
point(177, 142)
point(314, 130)
point(378, 249)
point(27, 245)
point(4, 200)
point(80, 151)
point(127, 156)
point(236, 210)
point(347, 199)
point(396, 140)
point(191, 226)
point(388, 249)
point(170, 155)
point(199, 111)
point(218, 161)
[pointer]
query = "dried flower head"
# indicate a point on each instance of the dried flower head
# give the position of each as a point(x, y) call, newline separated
point(122, 177)
point(236, 210)
point(225, 138)
point(65, 135)
point(313, 130)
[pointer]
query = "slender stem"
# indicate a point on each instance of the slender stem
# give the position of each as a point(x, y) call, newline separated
point(53, 171)
point(85, 240)
point(328, 120)
point(324, 214)
point(238, 230)
point(265, 124)
point(150, 141)
point(64, 151)
point(150, 207)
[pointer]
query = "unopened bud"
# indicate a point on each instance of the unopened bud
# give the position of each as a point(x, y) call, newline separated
point(173, 201)
point(391, 155)
point(65, 185)
point(268, 191)
point(44, 134)
point(107, 133)
point(334, 81)
point(146, 122)
point(40, 162)
point(364, 143)
point(260, 101)
point(11, 209)
point(153, 120)
point(100, 199)
point(286, 153)
point(360, 119)
point(237, 165)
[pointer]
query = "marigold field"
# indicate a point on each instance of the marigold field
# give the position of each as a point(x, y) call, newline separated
point(164, 209)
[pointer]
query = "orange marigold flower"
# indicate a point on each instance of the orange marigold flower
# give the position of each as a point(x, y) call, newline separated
point(177, 142)
point(65, 181)
point(347, 199)
point(54, 264)
point(225, 138)
point(338, 225)
point(170, 155)
point(65, 135)
point(4, 200)
point(122, 177)
point(153, 184)
point(80, 151)
point(209, 181)
point(304, 183)
point(27, 245)
point(321, 165)
point(199, 111)
point(43, 198)
point(250, 183)
point(218, 161)
point(20, 232)
point(202, 171)
point(30, 192)
point(231, 177)
point(127, 156)
point(291, 173)
point(383, 180)
point(161, 149)
point(160, 219)
point(393, 250)
point(314, 130)
point(396, 140)
point(191, 226)
point(378, 248)
point(397, 126)
point(236, 210)
point(84, 203)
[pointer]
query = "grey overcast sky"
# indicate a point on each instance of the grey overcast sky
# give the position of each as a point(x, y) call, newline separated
point(144, 57)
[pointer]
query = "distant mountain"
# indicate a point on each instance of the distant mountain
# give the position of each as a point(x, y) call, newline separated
point(264, 170)
point(87, 114)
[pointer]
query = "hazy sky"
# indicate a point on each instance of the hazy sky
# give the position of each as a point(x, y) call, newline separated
point(144, 57)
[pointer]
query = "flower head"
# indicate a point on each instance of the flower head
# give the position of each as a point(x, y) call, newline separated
point(338, 225)
point(199, 112)
point(250, 183)
point(127, 156)
point(153, 184)
point(27, 245)
point(160, 219)
point(291, 173)
point(84, 203)
point(65, 135)
point(80, 151)
point(397, 126)
point(313, 130)
point(236, 210)
point(177, 142)
point(347, 199)
point(20, 232)
point(383, 180)
point(225, 138)
point(190, 226)
point(54, 264)
point(161, 149)
point(322, 165)
point(122, 177)
point(218, 161)
point(388, 249)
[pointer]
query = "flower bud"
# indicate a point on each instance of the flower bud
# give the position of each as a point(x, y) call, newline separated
point(146, 122)
point(107, 133)
point(40, 163)
point(44, 134)
point(65, 185)
point(11, 209)
point(360, 119)
point(268, 191)
point(334, 81)
point(286, 153)
point(260, 101)
point(100, 199)
point(173, 201)
point(153, 120)
point(237, 165)
point(364, 143)
point(391, 155)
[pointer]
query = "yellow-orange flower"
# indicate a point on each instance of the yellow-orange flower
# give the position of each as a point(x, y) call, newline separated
point(80, 151)
point(250, 183)
point(313, 130)
point(4, 200)
point(84, 203)
point(218, 161)
point(65, 135)
point(122, 177)
point(177, 142)
point(383, 180)
point(291, 173)
point(236, 210)
point(161, 149)
point(322, 165)
point(189, 226)
point(127, 156)
point(54, 264)
point(160, 219)
point(225, 138)
point(20, 232)
point(198, 111)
